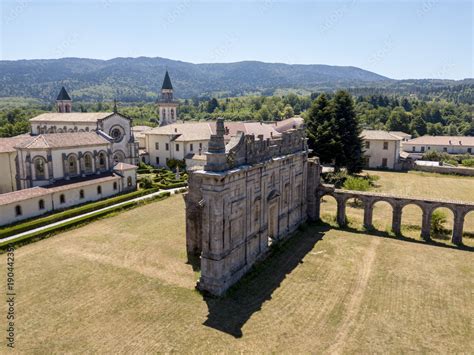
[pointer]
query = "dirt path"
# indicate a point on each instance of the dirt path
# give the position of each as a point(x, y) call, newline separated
point(355, 301)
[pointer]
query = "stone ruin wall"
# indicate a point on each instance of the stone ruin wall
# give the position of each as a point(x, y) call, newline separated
point(252, 193)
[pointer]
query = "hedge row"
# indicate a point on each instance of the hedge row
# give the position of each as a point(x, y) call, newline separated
point(167, 186)
point(81, 220)
point(55, 217)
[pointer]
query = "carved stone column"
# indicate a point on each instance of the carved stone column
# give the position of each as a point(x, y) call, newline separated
point(397, 219)
point(458, 227)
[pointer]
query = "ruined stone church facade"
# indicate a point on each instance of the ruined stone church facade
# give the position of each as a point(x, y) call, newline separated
point(252, 192)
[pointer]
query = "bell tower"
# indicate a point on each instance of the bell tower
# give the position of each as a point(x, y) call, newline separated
point(166, 106)
point(64, 102)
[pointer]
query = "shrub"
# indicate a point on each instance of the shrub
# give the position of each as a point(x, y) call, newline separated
point(146, 182)
point(468, 162)
point(356, 183)
point(438, 219)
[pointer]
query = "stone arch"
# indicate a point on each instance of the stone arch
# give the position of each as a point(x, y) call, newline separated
point(118, 156)
point(102, 160)
point(411, 217)
point(383, 214)
point(328, 206)
point(88, 163)
point(40, 168)
point(444, 214)
point(72, 165)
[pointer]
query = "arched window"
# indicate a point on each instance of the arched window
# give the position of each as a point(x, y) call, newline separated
point(115, 186)
point(88, 164)
point(172, 114)
point(81, 194)
point(18, 210)
point(72, 165)
point(62, 199)
point(102, 161)
point(163, 114)
point(129, 181)
point(40, 168)
point(41, 204)
point(119, 157)
point(99, 190)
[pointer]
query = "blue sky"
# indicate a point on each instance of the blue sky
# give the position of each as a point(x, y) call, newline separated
point(399, 39)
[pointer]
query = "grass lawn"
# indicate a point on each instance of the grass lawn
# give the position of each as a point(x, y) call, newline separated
point(122, 284)
point(416, 184)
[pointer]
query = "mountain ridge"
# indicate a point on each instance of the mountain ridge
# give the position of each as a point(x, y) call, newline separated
point(139, 78)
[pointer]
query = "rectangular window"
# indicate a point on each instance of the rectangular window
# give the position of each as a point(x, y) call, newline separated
point(167, 146)
point(422, 149)
point(469, 150)
point(157, 146)
point(413, 148)
point(445, 149)
point(157, 160)
point(177, 147)
point(200, 145)
point(385, 145)
point(191, 147)
point(384, 162)
point(367, 144)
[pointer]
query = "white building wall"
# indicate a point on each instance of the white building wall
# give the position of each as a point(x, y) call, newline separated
point(450, 149)
point(52, 201)
point(375, 153)
point(8, 172)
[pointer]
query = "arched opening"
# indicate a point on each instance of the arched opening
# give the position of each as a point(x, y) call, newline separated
point(81, 194)
point(354, 213)
point(382, 216)
point(62, 199)
point(102, 161)
point(468, 229)
point(411, 220)
point(442, 221)
point(99, 190)
point(72, 165)
point(129, 181)
point(18, 210)
point(328, 209)
point(41, 204)
point(119, 156)
point(88, 165)
point(40, 168)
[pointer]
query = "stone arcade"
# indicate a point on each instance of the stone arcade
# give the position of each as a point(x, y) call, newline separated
point(254, 192)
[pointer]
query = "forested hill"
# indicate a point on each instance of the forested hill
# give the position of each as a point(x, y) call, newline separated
point(139, 79)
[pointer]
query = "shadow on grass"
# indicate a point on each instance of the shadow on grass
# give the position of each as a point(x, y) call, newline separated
point(229, 313)
point(384, 234)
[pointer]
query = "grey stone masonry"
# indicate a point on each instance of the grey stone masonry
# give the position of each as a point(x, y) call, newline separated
point(460, 209)
point(252, 193)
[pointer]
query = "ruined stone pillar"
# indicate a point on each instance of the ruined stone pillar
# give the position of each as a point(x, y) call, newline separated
point(397, 219)
point(368, 212)
point(341, 211)
point(313, 199)
point(458, 228)
point(426, 223)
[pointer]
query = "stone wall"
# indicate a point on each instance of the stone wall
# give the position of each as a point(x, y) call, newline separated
point(251, 194)
point(446, 170)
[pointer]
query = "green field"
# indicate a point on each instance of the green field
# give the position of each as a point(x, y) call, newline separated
point(122, 285)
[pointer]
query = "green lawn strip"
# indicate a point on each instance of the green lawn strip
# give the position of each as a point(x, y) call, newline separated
point(79, 221)
point(42, 221)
